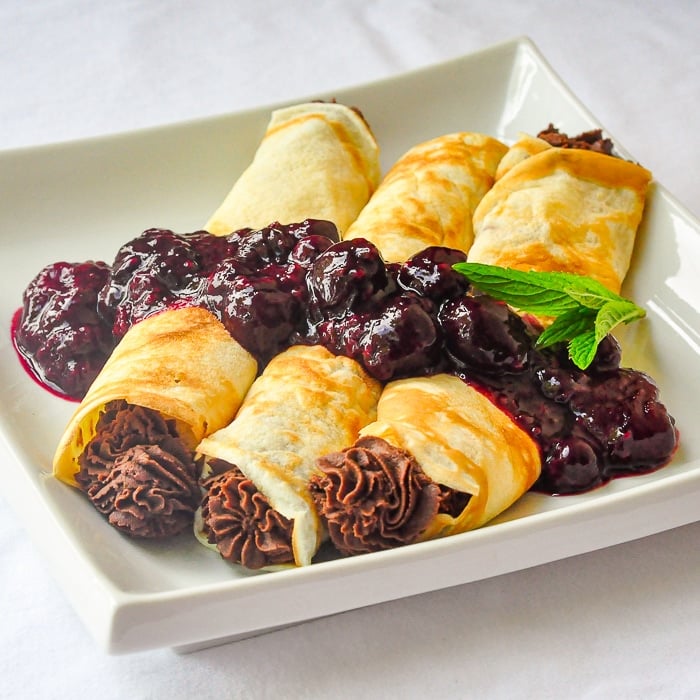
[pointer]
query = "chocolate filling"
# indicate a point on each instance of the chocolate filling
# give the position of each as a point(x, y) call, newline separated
point(592, 140)
point(240, 521)
point(375, 496)
point(138, 472)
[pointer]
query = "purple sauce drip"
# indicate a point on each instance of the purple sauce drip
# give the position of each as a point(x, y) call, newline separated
point(287, 284)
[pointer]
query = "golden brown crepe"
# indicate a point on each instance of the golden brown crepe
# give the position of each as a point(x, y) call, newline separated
point(429, 196)
point(307, 402)
point(558, 209)
point(460, 440)
point(181, 363)
point(523, 148)
point(317, 160)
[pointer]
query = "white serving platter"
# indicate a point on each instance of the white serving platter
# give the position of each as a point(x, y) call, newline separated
point(79, 201)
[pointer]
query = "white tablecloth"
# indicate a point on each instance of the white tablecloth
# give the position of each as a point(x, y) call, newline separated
point(623, 622)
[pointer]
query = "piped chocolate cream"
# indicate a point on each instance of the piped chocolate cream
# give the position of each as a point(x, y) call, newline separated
point(375, 496)
point(139, 473)
point(240, 521)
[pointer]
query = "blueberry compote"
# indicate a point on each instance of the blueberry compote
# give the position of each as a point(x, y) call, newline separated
point(59, 332)
point(298, 283)
point(158, 270)
point(591, 426)
point(74, 313)
point(385, 316)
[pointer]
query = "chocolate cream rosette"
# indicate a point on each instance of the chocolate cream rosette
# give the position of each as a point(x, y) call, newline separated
point(572, 207)
point(317, 160)
point(174, 378)
point(429, 195)
point(440, 459)
point(257, 509)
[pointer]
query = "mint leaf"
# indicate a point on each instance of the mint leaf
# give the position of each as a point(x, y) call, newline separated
point(582, 349)
point(614, 313)
point(593, 299)
point(584, 310)
point(535, 292)
point(566, 326)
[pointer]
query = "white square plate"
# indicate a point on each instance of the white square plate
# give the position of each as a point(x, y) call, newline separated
point(79, 201)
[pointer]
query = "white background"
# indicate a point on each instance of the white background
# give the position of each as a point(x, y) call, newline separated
point(623, 622)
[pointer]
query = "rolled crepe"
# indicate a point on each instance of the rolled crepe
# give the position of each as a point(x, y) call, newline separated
point(558, 209)
point(429, 196)
point(317, 160)
point(523, 148)
point(307, 402)
point(180, 363)
point(476, 459)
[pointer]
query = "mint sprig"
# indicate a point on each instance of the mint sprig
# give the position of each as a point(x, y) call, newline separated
point(584, 310)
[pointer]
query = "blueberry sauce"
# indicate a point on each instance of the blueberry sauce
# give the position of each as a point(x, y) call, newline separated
point(288, 284)
point(60, 334)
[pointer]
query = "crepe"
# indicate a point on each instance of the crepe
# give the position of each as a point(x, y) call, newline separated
point(523, 148)
point(461, 440)
point(181, 363)
point(559, 209)
point(306, 402)
point(440, 459)
point(429, 196)
point(317, 160)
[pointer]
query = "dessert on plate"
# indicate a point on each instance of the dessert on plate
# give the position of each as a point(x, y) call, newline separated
point(276, 382)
